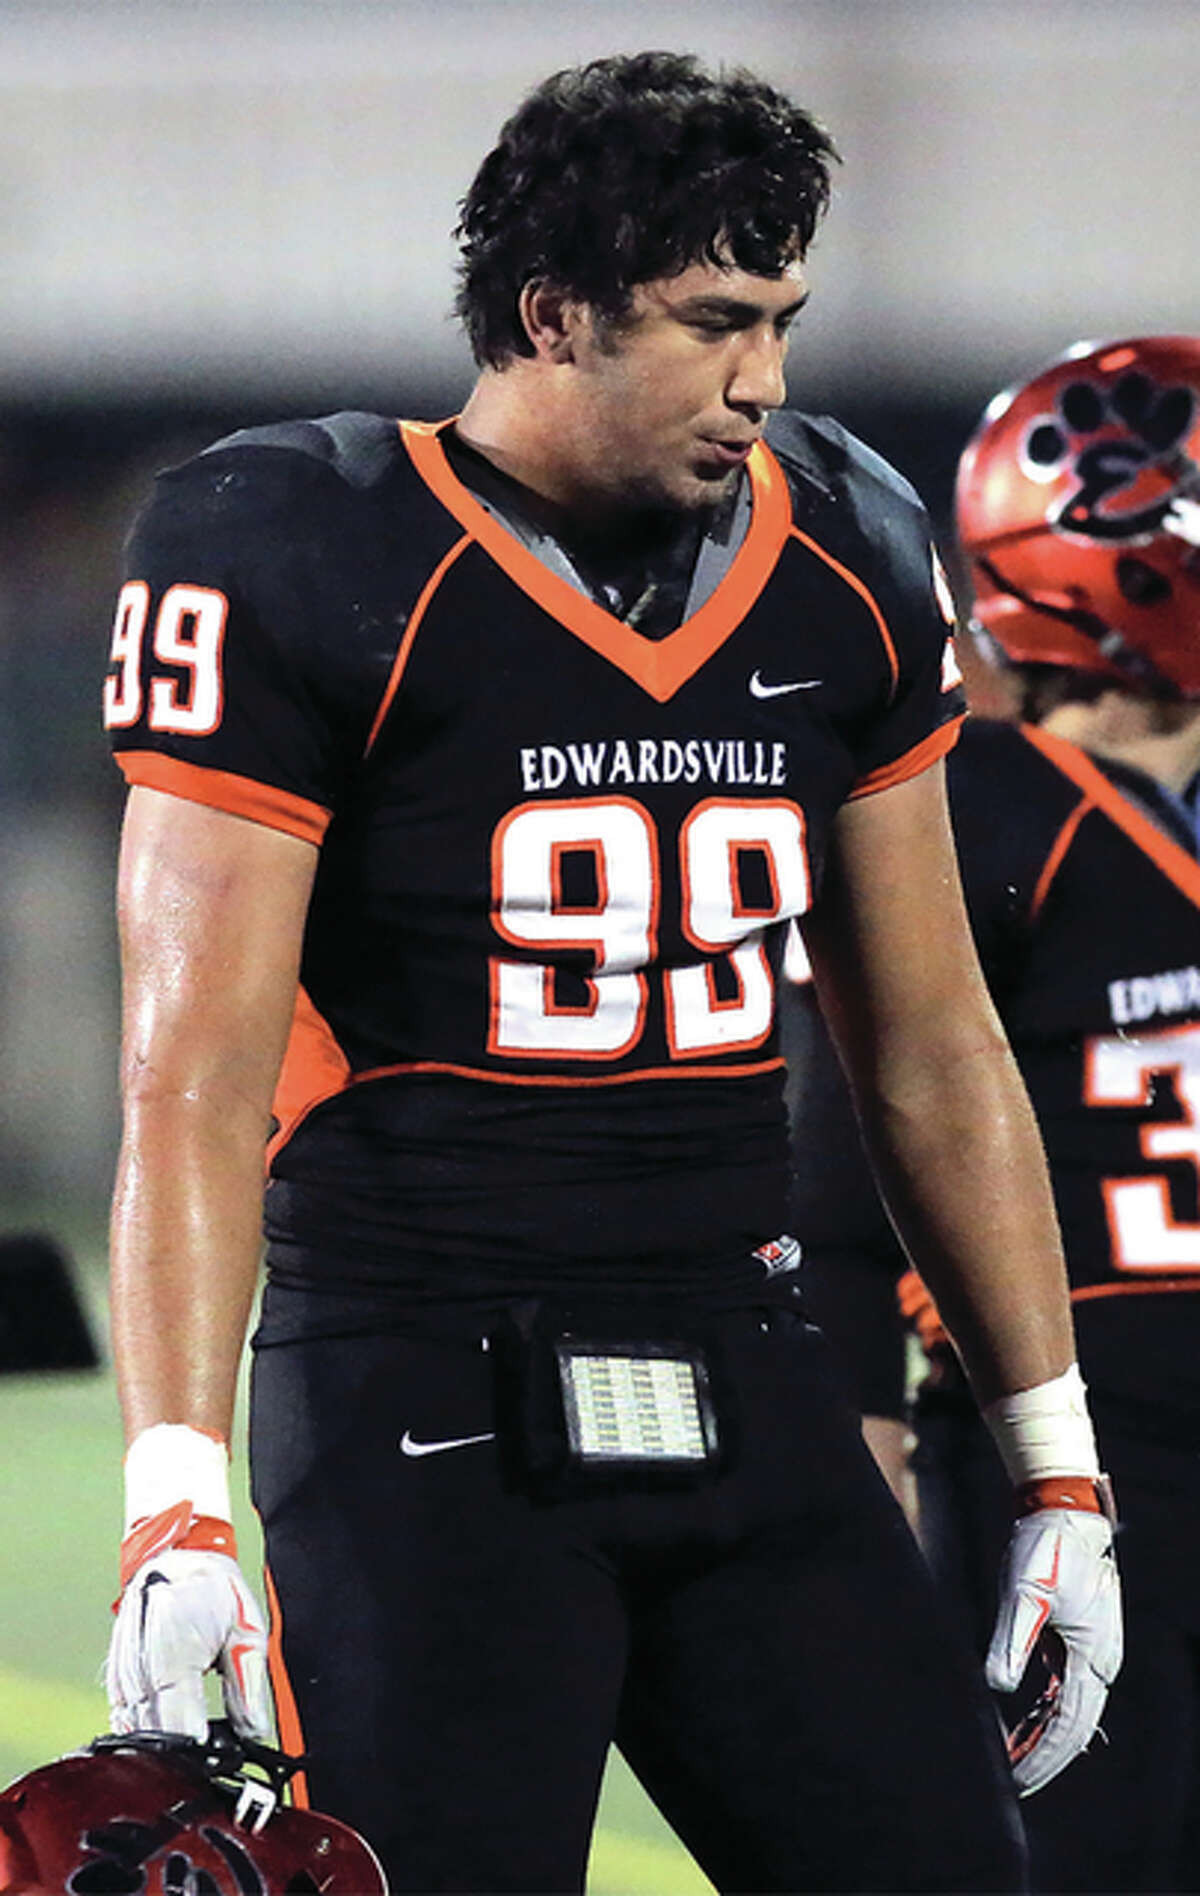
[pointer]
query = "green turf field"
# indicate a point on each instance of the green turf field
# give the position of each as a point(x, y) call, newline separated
point(60, 1503)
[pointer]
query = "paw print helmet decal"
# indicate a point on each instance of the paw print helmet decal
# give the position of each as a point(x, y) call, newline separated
point(1078, 509)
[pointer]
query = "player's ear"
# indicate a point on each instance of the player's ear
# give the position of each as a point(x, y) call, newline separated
point(551, 318)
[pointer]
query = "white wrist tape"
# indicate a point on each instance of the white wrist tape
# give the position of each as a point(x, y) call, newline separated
point(171, 1462)
point(1045, 1430)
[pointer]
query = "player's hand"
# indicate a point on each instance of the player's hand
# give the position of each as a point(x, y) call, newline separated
point(1059, 1576)
point(184, 1613)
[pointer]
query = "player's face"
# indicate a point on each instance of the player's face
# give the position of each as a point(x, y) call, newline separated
point(669, 403)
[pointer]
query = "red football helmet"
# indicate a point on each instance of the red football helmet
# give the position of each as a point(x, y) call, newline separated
point(1078, 508)
point(150, 1815)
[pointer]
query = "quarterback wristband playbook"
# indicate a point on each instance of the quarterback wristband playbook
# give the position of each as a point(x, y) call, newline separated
point(590, 1399)
point(176, 1495)
point(1048, 1447)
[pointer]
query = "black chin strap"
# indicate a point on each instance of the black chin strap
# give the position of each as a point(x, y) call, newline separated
point(224, 1755)
point(1110, 644)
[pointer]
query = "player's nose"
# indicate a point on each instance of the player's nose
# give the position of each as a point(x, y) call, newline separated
point(757, 380)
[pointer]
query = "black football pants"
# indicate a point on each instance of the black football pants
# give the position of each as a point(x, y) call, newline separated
point(766, 1650)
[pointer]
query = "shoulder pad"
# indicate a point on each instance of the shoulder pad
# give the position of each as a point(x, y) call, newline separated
point(821, 451)
point(358, 447)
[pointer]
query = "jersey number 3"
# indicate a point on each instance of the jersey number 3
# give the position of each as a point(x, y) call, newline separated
point(583, 875)
point(1145, 1234)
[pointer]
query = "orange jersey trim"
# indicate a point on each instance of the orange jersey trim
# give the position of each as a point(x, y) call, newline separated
point(291, 1732)
point(681, 1072)
point(410, 632)
point(222, 790)
point(913, 762)
point(659, 666)
point(314, 1068)
point(865, 594)
point(1158, 1286)
point(1180, 868)
point(1058, 854)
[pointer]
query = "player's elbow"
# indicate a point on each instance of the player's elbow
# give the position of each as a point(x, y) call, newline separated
point(192, 1090)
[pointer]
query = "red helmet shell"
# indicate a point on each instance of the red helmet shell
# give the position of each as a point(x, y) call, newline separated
point(1078, 499)
point(128, 1823)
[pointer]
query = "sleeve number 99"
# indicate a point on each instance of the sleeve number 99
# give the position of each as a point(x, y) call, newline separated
point(189, 636)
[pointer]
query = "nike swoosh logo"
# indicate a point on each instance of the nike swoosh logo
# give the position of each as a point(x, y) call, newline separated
point(410, 1446)
point(760, 690)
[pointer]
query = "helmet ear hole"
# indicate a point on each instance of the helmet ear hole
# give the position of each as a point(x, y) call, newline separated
point(1140, 583)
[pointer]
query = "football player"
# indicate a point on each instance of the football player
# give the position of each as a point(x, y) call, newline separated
point(1077, 831)
point(1078, 506)
point(476, 770)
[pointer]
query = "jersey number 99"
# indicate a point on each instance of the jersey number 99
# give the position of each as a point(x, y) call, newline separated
point(189, 639)
point(613, 915)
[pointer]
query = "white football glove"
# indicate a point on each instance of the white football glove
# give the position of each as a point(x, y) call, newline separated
point(1059, 1573)
point(184, 1613)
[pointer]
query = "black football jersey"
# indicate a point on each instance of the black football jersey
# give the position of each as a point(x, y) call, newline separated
point(1084, 891)
point(536, 1014)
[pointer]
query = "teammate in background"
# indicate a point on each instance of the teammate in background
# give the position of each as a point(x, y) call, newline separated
point(1077, 832)
point(1078, 509)
point(476, 770)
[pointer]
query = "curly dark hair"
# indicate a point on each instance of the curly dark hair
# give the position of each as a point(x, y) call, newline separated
point(629, 169)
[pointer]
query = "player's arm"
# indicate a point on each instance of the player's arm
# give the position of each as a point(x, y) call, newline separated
point(212, 911)
point(943, 1108)
point(958, 1155)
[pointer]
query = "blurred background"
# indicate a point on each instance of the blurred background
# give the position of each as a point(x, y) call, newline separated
point(212, 215)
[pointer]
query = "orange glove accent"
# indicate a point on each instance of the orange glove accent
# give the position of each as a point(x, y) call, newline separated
point(1066, 1491)
point(177, 1526)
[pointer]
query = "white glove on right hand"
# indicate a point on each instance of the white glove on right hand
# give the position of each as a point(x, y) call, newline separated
point(184, 1613)
point(1059, 1572)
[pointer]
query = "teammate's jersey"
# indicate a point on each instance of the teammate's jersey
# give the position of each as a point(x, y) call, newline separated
point(1084, 891)
point(536, 1015)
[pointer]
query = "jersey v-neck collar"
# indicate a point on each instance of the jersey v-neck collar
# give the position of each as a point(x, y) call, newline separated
point(659, 666)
